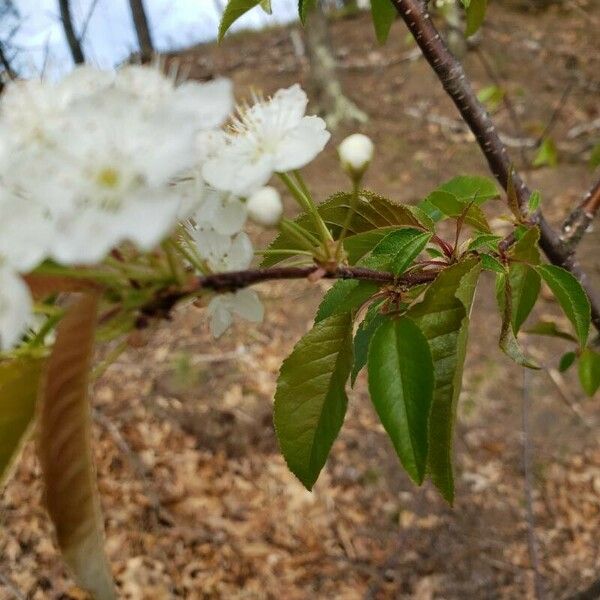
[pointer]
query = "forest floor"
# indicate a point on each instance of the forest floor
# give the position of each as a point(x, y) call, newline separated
point(197, 499)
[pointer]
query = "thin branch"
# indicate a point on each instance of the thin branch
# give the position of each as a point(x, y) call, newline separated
point(556, 114)
point(72, 39)
point(235, 280)
point(88, 18)
point(577, 223)
point(452, 75)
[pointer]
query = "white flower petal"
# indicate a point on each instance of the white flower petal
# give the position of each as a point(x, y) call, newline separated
point(301, 145)
point(220, 314)
point(241, 253)
point(15, 308)
point(247, 305)
point(210, 103)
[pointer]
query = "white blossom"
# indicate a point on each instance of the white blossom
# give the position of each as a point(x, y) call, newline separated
point(15, 308)
point(265, 207)
point(225, 212)
point(272, 136)
point(223, 252)
point(101, 151)
point(243, 303)
point(356, 153)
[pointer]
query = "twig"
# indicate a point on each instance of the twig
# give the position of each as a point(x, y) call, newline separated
point(510, 107)
point(576, 224)
point(235, 280)
point(451, 74)
point(556, 114)
point(88, 18)
point(531, 538)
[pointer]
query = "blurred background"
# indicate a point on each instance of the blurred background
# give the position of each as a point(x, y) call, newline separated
point(198, 501)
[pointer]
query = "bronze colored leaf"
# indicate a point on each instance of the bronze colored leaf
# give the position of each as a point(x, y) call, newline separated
point(65, 451)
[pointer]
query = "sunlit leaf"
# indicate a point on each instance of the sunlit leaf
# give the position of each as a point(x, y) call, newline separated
point(451, 206)
point(443, 316)
point(397, 250)
point(65, 453)
point(19, 381)
point(547, 154)
point(310, 401)
point(401, 381)
point(526, 247)
point(491, 96)
point(571, 297)
point(372, 213)
point(233, 11)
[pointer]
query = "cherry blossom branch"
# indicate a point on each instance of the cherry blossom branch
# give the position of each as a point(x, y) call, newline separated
point(235, 280)
point(577, 222)
point(453, 78)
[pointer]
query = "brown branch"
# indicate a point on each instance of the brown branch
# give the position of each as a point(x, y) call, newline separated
point(452, 75)
point(72, 39)
point(235, 280)
point(576, 224)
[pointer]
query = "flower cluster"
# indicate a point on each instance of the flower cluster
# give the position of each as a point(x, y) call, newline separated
point(101, 158)
point(271, 136)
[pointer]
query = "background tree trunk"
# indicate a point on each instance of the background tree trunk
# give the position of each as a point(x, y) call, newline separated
point(72, 39)
point(142, 29)
point(325, 85)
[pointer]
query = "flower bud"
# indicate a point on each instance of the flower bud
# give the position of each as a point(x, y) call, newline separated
point(356, 153)
point(265, 207)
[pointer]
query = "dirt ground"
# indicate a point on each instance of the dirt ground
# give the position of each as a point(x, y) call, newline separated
point(197, 499)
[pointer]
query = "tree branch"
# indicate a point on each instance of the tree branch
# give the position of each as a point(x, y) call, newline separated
point(576, 224)
point(590, 593)
point(235, 280)
point(452, 75)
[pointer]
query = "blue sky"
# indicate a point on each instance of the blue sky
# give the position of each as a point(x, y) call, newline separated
point(110, 36)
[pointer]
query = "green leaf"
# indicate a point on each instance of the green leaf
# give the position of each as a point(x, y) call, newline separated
point(491, 96)
point(490, 263)
point(304, 6)
point(401, 381)
point(547, 154)
point(442, 316)
point(383, 13)
point(475, 15)
point(357, 246)
point(372, 213)
point(451, 206)
point(508, 341)
point(526, 247)
point(310, 401)
point(571, 297)
point(397, 251)
point(566, 361)
point(485, 240)
point(64, 450)
point(534, 202)
point(233, 11)
point(19, 381)
point(266, 6)
point(345, 297)
point(525, 284)
point(549, 328)
point(373, 319)
point(589, 371)
point(469, 188)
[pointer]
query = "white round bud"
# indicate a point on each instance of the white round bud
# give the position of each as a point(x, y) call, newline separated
point(356, 153)
point(265, 207)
